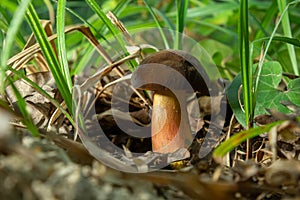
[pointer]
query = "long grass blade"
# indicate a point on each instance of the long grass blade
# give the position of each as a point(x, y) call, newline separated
point(182, 6)
point(238, 138)
point(49, 54)
point(42, 92)
point(258, 72)
point(163, 36)
point(292, 41)
point(246, 69)
point(268, 18)
point(288, 33)
point(10, 38)
point(27, 120)
point(115, 32)
point(62, 52)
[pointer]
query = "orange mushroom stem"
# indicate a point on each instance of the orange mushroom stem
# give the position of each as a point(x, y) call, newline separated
point(170, 123)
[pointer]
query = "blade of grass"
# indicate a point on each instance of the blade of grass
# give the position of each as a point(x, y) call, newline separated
point(42, 92)
point(114, 31)
point(134, 10)
point(27, 120)
point(6, 21)
point(256, 22)
point(292, 41)
point(163, 36)
point(99, 34)
point(238, 138)
point(50, 11)
point(96, 8)
point(10, 38)
point(182, 6)
point(208, 10)
point(258, 71)
point(62, 52)
point(50, 56)
point(121, 6)
point(288, 33)
point(246, 69)
point(117, 10)
point(86, 58)
point(268, 18)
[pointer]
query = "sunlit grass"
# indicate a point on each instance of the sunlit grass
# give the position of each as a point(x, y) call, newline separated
point(261, 24)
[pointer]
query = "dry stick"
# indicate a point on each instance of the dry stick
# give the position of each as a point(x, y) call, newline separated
point(34, 48)
point(227, 161)
point(18, 64)
point(121, 27)
point(273, 142)
point(131, 41)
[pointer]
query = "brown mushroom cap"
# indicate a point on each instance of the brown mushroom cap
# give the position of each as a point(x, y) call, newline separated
point(161, 66)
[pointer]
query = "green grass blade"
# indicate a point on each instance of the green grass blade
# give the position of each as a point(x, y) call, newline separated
point(163, 36)
point(114, 31)
point(117, 10)
point(111, 27)
point(208, 10)
point(99, 34)
point(121, 6)
point(224, 30)
point(27, 120)
point(258, 72)
point(257, 23)
point(10, 38)
point(182, 6)
point(246, 69)
point(288, 33)
point(267, 20)
point(62, 52)
point(238, 138)
point(292, 41)
point(50, 56)
point(42, 92)
point(5, 21)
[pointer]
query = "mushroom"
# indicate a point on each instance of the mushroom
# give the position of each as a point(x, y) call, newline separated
point(172, 75)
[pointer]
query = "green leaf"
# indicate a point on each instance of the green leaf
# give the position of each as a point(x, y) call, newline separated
point(209, 10)
point(112, 29)
point(269, 42)
point(268, 94)
point(233, 96)
point(293, 92)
